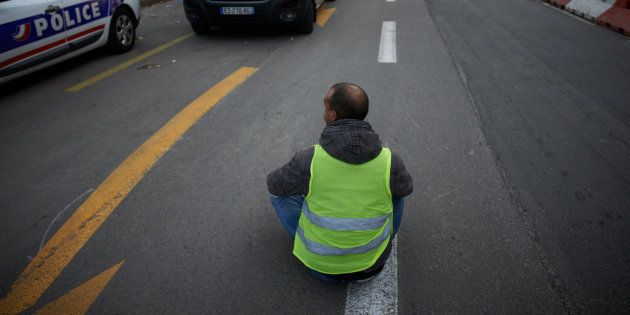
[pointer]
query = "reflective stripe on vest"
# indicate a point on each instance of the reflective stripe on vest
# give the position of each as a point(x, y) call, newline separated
point(344, 224)
point(324, 250)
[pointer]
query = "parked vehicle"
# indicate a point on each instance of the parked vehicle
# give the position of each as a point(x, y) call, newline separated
point(297, 14)
point(38, 33)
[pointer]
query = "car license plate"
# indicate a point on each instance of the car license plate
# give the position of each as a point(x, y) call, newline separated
point(237, 10)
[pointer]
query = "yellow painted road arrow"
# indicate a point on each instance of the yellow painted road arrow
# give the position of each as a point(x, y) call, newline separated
point(79, 300)
point(324, 14)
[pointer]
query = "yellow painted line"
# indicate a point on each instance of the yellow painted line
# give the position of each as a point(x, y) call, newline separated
point(324, 14)
point(79, 300)
point(71, 237)
point(80, 86)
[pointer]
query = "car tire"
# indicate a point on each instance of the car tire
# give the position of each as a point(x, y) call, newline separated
point(306, 26)
point(122, 31)
point(201, 29)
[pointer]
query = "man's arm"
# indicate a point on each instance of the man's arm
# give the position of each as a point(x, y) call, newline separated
point(400, 181)
point(292, 178)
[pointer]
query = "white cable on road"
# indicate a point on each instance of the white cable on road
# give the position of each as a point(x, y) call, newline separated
point(41, 244)
point(387, 48)
point(379, 295)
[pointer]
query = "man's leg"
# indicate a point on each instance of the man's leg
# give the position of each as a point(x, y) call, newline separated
point(289, 209)
point(324, 277)
point(399, 205)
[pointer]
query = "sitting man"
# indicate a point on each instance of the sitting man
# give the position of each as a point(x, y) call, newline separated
point(342, 199)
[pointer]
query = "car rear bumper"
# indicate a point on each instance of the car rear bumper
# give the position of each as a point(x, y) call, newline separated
point(282, 12)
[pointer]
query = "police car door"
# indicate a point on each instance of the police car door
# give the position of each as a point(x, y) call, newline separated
point(85, 21)
point(31, 32)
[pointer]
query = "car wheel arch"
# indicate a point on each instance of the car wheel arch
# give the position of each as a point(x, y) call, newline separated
point(126, 7)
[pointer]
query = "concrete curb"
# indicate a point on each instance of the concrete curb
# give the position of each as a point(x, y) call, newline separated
point(589, 9)
point(558, 3)
point(617, 18)
point(614, 14)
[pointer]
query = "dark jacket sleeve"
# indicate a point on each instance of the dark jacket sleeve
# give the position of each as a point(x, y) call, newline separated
point(400, 181)
point(292, 178)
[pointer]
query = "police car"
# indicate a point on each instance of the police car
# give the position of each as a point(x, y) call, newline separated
point(296, 14)
point(38, 33)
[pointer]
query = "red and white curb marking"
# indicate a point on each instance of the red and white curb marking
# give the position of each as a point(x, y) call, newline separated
point(614, 14)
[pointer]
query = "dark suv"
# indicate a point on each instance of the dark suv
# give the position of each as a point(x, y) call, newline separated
point(297, 14)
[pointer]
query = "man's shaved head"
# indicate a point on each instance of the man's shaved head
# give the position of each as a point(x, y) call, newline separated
point(348, 100)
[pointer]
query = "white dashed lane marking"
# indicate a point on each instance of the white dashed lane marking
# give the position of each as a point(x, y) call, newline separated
point(387, 48)
point(379, 295)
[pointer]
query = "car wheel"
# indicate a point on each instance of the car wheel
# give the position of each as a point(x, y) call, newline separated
point(306, 26)
point(200, 29)
point(122, 31)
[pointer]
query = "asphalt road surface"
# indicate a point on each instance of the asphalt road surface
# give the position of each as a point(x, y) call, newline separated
point(513, 119)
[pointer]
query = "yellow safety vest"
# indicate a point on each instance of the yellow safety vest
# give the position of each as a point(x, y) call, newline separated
point(346, 220)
